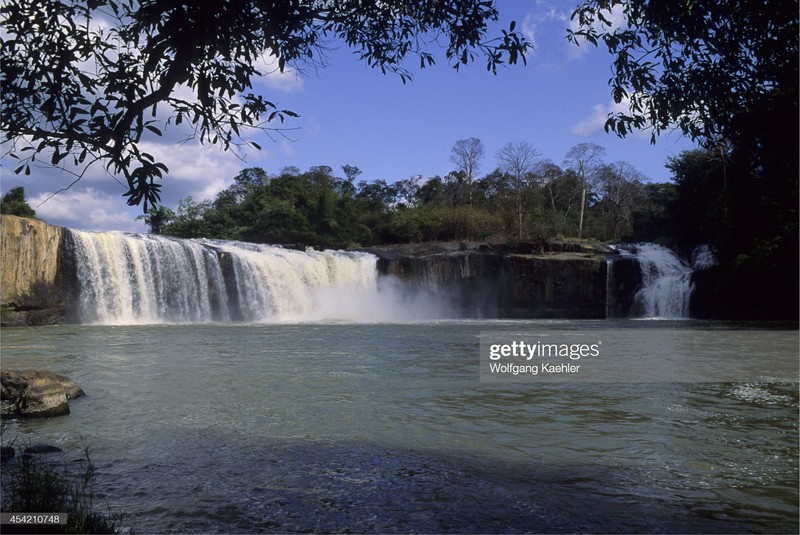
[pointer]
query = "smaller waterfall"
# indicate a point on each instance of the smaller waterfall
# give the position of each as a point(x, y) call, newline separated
point(703, 258)
point(609, 286)
point(667, 286)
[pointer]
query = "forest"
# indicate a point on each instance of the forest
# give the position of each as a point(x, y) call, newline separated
point(524, 198)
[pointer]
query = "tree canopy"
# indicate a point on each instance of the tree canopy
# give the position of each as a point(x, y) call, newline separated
point(14, 203)
point(696, 64)
point(525, 199)
point(725, 72)
point(86, 82)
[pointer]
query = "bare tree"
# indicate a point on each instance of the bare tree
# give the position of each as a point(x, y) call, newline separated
point(585, 159)
point(466, 154)
point(518, 160)
point(621, 186)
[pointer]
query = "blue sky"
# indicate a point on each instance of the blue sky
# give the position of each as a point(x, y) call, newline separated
point(351, 114)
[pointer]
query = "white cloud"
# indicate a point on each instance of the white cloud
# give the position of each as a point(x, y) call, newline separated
point(87, 209)
point(272, 78)
point(198, 170)
point(594, 123)
point(529, 29)
point(549, 21)
point(615, 15)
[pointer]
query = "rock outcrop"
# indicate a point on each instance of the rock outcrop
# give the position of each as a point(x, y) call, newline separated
point(35, 394)
point(530, 280)
point(31, 291)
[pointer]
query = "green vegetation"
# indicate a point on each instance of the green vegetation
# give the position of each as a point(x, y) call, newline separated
point(726, 74)
point(713, 199)
point(723, 72)
point(14, 203)
point(34, 484)
point(525, 198)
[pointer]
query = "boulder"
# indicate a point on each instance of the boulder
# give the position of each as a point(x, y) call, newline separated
point(35, 394)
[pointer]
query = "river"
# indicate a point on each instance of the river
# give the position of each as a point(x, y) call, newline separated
point(387, 427)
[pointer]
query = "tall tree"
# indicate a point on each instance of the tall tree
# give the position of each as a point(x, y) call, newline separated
point(518, 159)
point(157, 218)
point(621, 187)
point(466, 155)
point(86, 82)
point(585, 159)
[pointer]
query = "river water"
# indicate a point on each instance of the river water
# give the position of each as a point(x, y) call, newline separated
point(344, 427)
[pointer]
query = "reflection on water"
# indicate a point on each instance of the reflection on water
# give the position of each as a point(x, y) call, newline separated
point(313, 427)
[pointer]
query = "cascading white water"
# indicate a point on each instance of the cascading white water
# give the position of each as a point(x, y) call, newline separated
point(703, 258)
point(276, 283)
point(667, 284)
point(128, 279)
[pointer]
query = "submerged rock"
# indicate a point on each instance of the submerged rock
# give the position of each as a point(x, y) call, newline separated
point(35, 394)
point(42, 449)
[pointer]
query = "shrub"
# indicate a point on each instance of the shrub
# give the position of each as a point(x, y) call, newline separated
point(34, 484)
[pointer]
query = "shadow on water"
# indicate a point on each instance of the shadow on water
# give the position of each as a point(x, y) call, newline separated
point(263, 486)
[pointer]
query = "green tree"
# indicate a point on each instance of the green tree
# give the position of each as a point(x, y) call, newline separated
point(698, 64)
point(14, 203)
point(621, 188)
point(86, 82)
point(189, 220)
point(652, 220)
point(157, 218)
point(726, 73)
point(562, 193)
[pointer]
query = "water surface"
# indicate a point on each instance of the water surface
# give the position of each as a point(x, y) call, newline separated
point(386, 427)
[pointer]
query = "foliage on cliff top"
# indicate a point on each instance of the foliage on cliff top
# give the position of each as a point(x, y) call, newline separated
point(14, 203)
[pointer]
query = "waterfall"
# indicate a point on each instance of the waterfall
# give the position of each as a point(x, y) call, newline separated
point(667, 286)
point(129, 279)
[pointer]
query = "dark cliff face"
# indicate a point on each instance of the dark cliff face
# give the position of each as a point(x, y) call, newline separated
point(560, 286)
point(623, 282)
point(492, 282)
